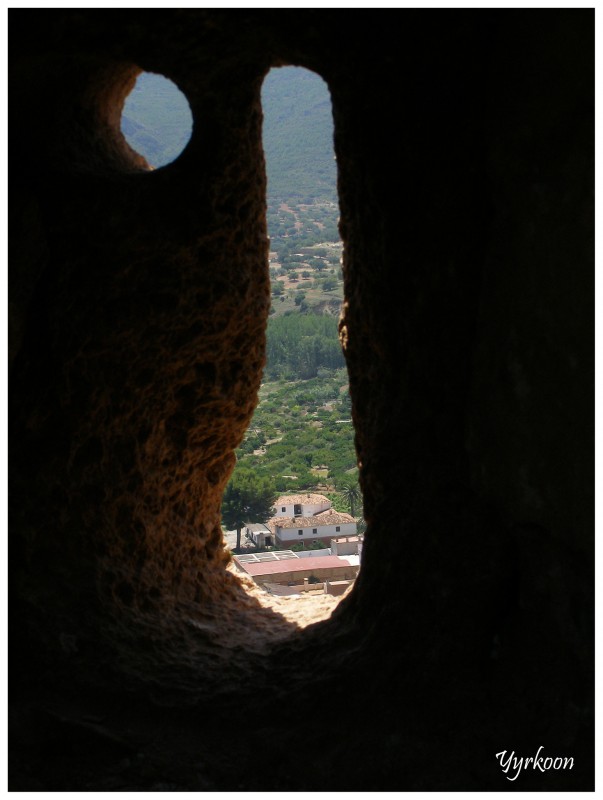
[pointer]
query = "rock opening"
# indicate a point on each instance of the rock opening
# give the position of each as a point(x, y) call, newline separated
point(138, 306)
point(156, 119)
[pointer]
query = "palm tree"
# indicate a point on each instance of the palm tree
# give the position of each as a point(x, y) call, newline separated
point(351, 493)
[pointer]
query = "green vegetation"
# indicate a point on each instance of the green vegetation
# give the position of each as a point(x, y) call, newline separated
point(301, 168)
point(310, 546)
point(351, 494)
point(248, 498)
point(298, 135)
point(156, 119)
point(298, 346)
point(301, 435)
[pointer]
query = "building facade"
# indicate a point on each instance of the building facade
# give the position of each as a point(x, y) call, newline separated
point(301, 505)
point(259, 534)
point(320, 528)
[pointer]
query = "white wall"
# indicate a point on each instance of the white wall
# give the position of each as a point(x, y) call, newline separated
point(313, 553)
point(308, 509)
point(345, 548)
point(291, 535)
point(259, 537)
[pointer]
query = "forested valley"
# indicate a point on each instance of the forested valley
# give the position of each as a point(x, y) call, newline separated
point(301, 435)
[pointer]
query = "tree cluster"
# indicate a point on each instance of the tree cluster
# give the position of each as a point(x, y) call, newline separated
point(299, 345)
point(248, 498)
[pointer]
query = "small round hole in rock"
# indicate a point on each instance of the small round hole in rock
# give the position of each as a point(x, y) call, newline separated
point(156, 120)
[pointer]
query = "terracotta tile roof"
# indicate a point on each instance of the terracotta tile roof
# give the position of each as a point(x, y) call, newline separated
point(320, 520)
point(313, 499)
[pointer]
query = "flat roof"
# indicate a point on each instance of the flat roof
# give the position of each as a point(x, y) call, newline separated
point(294, 565)
point(352, 559)
point(270, 555)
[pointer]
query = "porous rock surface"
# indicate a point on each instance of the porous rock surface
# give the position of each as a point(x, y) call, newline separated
point(138, 304)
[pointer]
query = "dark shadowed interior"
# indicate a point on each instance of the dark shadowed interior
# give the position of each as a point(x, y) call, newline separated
point(137, 308)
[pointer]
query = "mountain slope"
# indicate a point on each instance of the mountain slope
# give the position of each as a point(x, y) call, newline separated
point(156, 120)
point(298, 135)
point(297, 131)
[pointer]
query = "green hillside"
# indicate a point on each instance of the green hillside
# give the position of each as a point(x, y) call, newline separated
point(156, 120)
point(301, 436)
point(298, 135)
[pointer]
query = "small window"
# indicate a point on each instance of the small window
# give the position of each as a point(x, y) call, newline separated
point(156, 120)
point(314, 530)
point(283, 508)
point(337, 528)
point(300, 533)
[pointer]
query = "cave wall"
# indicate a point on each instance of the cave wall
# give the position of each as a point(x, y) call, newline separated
point(138, 302)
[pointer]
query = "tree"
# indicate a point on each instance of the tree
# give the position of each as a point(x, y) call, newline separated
point(351, 493)
point(247, 498)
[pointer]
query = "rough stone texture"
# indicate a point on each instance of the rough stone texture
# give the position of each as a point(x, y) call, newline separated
point(137, 308)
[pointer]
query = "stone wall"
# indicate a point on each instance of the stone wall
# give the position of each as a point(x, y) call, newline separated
point(137, 309)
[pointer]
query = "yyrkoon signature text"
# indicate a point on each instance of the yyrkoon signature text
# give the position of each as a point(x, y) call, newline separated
point(512, 764)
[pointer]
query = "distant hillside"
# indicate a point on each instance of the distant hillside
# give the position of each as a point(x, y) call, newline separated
point(298, 135)
point(156, 119)
point(297, 132)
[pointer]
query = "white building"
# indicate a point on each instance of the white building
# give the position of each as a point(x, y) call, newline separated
point(346, 546)
point(321, 527)
point(301, 505)
point(302, 519)
point(259, 534)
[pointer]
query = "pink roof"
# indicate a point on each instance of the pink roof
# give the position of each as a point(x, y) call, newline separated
point(294, 565)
